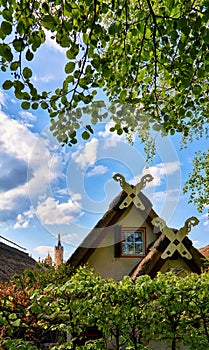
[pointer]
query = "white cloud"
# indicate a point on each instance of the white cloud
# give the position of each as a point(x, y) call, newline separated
point(97, 170)
point(52, 42)
point(205, 218)
point(63, 192)
point(70, 238)
point(26, 158)
point(27, 118)
point(21, 222)
point(166, 196)
point(197, 243)
point(159, 172)
point(75, 196)
point(88, 155)
point(111, 139)
point(43, 250)
point(2, 99)
point(52, 212)
point(162, 170)
point(44, 79)
point(106, 133)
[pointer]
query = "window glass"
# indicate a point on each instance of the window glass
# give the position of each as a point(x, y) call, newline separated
point(132, 242)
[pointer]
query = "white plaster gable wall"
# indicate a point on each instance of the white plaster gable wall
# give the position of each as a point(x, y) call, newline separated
point(103, 261)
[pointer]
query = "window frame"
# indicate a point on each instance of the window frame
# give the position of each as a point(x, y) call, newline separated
point(124, 229)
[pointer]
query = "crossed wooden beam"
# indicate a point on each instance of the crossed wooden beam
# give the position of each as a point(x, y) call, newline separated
point(175, 238)
point(132, 191)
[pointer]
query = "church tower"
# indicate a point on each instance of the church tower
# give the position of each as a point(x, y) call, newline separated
point(58, 253)
point(48, 260)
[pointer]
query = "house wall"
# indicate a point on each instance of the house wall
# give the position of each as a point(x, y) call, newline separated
point(178, 266)
point(103, 260)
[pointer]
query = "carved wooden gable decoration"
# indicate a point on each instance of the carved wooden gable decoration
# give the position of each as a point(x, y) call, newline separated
point(176, 239)
point(132, 191)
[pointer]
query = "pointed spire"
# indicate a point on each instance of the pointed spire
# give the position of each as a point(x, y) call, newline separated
point(58, 253)
point(59, 241)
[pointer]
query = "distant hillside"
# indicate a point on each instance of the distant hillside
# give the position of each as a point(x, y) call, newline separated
point(13, 261)
point(205, 251)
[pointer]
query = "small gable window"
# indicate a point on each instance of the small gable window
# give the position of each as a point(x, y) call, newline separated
point(131, 242)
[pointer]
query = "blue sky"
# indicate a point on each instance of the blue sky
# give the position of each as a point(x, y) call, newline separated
point(47, 189)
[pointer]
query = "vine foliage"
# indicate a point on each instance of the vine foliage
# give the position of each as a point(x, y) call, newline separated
point(99, 313)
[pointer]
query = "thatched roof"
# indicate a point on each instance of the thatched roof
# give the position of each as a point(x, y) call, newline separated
point(205, 251)
point(13, 261)
point(152, 262)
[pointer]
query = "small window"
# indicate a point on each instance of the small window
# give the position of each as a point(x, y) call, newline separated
point(133, 242)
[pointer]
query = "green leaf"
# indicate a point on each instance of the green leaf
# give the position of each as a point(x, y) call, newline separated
point(141, 75)
point(21, 28)
point(85, 135)
point(7, 14)
point(18, 45)
point(44, 105)
point(114, 28)
point(16, 323)
point(25, 96)
point(34, 105)
point(5, 52)
point(29, 55)
point(65, 41)
point(12, 316)
point(49, 22)
point(104, 8)
point(73, 141)
point(44, 94)
point(27, 73)
point(7, 84)
point(69, 67)
point(45, 8)
point(90, 129)
point(73, 51)
point(197, 89)
point(120, 131)
point(6, 27)
point(37, 39)
point(14, 65)
point(18, 85)
point(25, 105)
point(85, 38)
point(71, 54)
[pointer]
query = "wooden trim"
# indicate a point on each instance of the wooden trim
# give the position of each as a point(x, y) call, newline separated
point(117, 241)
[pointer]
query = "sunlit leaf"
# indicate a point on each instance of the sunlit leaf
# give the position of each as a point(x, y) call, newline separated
point(69, 67)
point(27, 73)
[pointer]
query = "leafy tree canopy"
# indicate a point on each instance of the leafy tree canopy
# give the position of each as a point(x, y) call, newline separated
point(150, 57)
